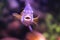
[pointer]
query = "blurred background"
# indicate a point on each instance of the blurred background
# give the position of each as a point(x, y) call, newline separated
point(48, 23)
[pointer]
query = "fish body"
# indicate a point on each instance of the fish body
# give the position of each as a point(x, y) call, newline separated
point(27, 15)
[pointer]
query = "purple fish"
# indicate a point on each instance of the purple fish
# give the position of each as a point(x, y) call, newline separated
point(27, 14)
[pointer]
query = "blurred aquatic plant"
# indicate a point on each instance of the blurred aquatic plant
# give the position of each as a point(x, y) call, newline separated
point(53, 29)
point(46, 35)
point(58, 29)
point(53, 37)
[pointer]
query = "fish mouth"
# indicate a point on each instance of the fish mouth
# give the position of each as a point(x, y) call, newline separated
point(27, 18)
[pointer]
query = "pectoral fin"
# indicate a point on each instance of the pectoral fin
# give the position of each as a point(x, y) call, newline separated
point(17, 16)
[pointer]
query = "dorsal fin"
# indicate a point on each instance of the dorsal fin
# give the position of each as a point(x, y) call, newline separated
point(28, 9)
